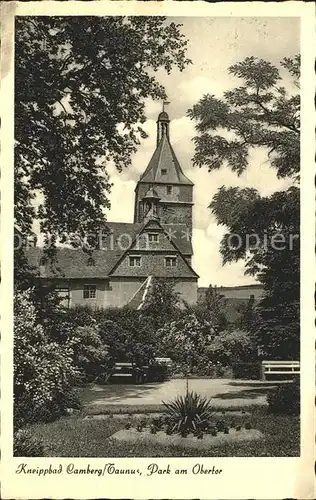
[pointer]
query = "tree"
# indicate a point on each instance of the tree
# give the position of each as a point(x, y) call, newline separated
point(232, 346)
point(127, 335)
point(185, 340)
point(80, 90)
point(262, 230)
point(247, 315)
point(211, 308)
point(258, 114)
point(162, 303)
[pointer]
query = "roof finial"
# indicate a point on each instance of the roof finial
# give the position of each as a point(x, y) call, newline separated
point(165, 103)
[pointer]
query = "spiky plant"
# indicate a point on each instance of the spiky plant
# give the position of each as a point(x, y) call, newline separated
point(188, 413)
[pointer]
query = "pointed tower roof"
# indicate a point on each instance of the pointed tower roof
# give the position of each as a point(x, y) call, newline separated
point(164, 166)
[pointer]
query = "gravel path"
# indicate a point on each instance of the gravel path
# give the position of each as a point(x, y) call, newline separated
point(224, 392)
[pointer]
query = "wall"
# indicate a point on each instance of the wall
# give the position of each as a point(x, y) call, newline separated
point(76, 293)
point(173, 213)
point(188, 290)
point(121, 291)
point(180, 193)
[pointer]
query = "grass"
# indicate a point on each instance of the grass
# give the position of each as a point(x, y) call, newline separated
point(75, 437)
point(126, 409)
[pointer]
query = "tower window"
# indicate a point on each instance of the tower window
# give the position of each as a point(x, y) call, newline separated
point(163, 171)
point(171, 261)
point(135, 261)
point(169, 189)
point(153, 237)
point(89, 291)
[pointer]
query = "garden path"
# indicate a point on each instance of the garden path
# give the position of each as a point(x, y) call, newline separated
point(223, 392)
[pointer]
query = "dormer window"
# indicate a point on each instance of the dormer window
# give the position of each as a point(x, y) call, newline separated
point(169, 189)
point(90, 261)
point(153, 237)
point(135, 261)
point(170, 261)
point(163, 171)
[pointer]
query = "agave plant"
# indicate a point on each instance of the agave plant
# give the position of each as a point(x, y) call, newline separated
point(188, 413)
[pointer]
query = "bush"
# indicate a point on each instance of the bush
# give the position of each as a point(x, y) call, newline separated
point(248, 371)
point(158, 372)
point(285, 399)
point(232, 346)
point(186, 341)
point(26, 445)
point(78, 329)
point(44, 374)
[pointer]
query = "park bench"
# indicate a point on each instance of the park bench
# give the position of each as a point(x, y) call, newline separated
point(128, 371)
point(279, 369)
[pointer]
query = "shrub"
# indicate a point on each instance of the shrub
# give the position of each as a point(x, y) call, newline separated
point(188, 413)
point(44, 374)
point(128, 335)
point(186, 340)
point(158, 372)
point(248, 371)
point(285, 399)
point(90, 355)
point(26, 445)
point(232, 346)
point(78, 329)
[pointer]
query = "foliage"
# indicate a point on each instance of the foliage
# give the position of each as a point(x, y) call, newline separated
point(128, 335)
point(246, 370)
point(285, 399)
point(211, 308)
point(162, 302)
point(263, 230)
point(247, 315)
point(44, 374)
point(157, 372)
point(232, 346)
point(83, 106)
point(260, 113)
point(25, 444)
point(186, 340)
point(188, 413)
point(77, 329)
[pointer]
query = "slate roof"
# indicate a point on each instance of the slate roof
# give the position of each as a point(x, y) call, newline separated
point(164, 158)
point(71, 263)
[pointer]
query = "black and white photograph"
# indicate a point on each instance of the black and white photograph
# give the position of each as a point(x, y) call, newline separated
point(157, 218)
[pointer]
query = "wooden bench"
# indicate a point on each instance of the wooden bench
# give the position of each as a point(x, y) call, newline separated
point(130, 371)
point(276, 368)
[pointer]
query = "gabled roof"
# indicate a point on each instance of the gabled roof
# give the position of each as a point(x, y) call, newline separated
point(71, 263)
point(189, 271)
point(164, 158)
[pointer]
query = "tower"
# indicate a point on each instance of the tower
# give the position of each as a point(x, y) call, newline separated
point(164, 177)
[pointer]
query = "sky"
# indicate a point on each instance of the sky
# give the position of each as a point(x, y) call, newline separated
point(214, 45)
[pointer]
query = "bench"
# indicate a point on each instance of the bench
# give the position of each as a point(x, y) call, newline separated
point(289, 369)
point(129, 370)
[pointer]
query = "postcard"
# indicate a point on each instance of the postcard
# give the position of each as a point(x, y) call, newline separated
point(158, 250)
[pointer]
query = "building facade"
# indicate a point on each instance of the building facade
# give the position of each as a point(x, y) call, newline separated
point(158, 244)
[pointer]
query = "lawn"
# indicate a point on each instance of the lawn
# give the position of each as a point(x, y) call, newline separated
point(74, 437)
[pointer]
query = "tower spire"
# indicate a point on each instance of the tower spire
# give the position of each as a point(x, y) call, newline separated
point(163, 123)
